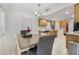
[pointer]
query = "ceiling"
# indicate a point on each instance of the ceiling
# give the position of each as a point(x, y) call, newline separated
point(65, 13)
point(31, 8)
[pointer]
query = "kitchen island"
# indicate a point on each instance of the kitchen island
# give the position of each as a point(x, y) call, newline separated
point(73, 36)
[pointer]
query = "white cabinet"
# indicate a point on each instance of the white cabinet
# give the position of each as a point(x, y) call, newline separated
point(73, 48)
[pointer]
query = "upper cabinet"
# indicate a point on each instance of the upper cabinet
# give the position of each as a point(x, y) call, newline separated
point(76, 12)
point(42, 22)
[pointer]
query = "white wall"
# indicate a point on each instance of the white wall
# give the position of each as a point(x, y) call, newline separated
point(1, 21)
point(35, 27)
point(17, 21)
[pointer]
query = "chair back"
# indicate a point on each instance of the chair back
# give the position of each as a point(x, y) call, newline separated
point(45, 45)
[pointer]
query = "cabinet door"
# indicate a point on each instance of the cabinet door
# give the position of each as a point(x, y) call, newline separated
point(76, 11)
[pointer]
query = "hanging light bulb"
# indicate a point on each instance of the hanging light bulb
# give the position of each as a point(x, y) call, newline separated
point(36, 13)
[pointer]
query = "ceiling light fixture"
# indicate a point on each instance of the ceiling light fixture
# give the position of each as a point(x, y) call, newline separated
point(40, 13)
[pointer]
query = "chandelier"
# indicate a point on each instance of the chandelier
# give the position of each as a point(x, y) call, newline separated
point(40, 13)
